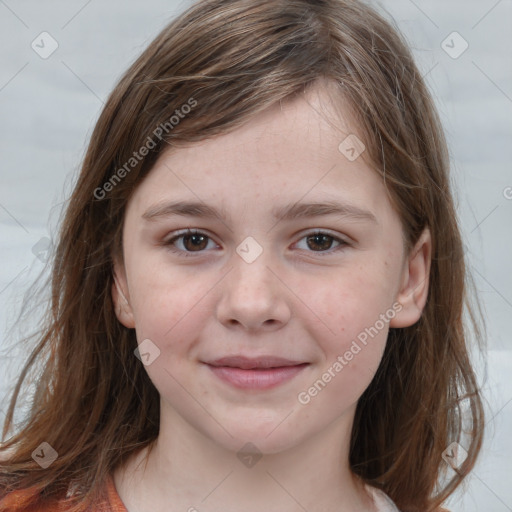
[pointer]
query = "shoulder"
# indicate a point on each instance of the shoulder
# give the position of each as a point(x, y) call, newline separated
point(28, 500)
point(20, 500)
point(25, 501)
point(384, 503)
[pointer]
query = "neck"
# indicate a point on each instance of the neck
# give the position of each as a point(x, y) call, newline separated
point(186, 471)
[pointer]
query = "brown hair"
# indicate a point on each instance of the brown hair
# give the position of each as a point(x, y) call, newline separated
point(230, 60)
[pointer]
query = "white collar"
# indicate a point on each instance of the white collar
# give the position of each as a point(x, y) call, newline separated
point(382, 501)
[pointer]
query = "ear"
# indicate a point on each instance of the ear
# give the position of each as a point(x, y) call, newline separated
point(119, 290)
point(413, 291)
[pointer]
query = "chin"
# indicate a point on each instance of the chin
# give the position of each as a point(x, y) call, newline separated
point(267, 436)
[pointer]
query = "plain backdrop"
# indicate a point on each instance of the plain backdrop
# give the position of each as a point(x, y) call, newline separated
point(48, 107)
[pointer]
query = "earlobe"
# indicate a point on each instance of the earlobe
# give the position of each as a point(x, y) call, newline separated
point(413, 291)
point(122, 306)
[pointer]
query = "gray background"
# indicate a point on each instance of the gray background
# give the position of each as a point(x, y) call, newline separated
point(48, 108)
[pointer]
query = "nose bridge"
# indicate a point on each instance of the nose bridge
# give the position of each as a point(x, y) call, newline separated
point(252, 296)
point(251, 278)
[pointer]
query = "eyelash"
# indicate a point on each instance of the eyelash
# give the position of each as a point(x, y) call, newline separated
point(189, 232)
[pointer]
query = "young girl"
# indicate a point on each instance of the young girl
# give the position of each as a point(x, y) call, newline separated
point(259, 284)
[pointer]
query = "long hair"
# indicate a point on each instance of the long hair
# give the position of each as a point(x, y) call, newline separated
point(227, 61)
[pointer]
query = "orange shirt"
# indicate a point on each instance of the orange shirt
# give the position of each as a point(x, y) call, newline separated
point(111, 503)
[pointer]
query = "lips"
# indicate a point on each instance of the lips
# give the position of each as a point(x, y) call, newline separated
point(258, 373)
point(262, 362)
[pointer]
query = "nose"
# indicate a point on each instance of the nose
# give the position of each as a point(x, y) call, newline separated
point(253, 297)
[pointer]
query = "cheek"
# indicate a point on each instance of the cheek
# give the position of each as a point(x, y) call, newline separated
point(350, 302)
point(355, 314)
point(351, 356)
point(172, 318)
point(169, 307)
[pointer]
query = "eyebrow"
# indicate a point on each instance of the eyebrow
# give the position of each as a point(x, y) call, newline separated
point(288, 212)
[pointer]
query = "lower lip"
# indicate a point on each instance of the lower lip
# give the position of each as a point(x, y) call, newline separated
point(257, 379)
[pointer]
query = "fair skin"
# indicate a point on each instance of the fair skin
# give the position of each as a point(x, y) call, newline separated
point(302, 298)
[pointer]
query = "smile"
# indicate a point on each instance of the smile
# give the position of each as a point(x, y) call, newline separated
point(256, 378)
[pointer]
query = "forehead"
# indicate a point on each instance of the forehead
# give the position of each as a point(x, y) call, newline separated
point(290, 151)
point(310, 125)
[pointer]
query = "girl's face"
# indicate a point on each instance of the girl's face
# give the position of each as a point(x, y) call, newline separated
point(256, 282)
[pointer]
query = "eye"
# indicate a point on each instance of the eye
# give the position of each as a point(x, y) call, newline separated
point(321, 241)
point(193, 241)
